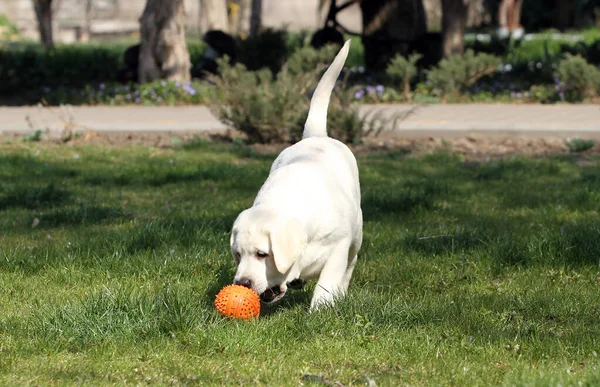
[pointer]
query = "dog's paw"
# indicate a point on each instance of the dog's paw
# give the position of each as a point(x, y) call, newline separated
point(296, 284)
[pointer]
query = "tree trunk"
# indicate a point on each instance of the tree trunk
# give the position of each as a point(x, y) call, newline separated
point(214, 15)
point(390, 27)
point(43, 13)
point(454, 20)
point(565, 13)
point(163, 51)
point(255, 17)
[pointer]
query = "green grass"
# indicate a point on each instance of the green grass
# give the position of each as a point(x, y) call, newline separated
point(469, 275)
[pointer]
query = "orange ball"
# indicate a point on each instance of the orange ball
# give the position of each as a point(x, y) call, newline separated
point(238, 302)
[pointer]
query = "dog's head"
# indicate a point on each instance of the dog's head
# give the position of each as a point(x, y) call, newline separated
point(265, 244)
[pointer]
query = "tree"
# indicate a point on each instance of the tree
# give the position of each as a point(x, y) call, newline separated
point(43, 13)
point(390, 27)
point(255, 17)
point(214, 15)
point(163, 50)
point(454, 20)
point(565, 13)
point(245, 17)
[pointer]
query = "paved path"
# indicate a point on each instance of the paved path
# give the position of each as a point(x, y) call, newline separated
point(424, 120)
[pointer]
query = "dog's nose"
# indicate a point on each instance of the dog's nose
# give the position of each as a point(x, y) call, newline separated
point(244, 282)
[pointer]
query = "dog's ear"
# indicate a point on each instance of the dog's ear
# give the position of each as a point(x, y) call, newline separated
point(236, 259)
point(287, 242)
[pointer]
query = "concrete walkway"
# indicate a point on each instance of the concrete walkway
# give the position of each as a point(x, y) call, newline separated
point(412, 120)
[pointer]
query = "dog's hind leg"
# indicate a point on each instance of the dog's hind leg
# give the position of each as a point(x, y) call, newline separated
point(353, 253)
point(348, 273)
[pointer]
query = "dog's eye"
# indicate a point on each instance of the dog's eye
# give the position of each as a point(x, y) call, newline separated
point(261, 254)
point(237, 256)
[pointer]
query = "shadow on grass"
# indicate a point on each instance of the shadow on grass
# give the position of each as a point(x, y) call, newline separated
point(82, 215)
point(157, 176)
point(403, 198)
point(48, 195)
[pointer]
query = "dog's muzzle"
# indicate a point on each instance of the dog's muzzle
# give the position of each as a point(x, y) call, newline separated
point(277, 292)
point(273, 294)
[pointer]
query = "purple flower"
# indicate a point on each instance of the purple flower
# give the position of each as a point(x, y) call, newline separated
point(370, 89)
point(126, 88)
point(556, 80)
point(519, 95)
point(177, 84)
point(47, 89)
point(379, 88)
point(562, 95)
point(159, 100)
point(102, 86)
point(359, 94)
point(189, 89)
point(138, 100)
point(128, 96)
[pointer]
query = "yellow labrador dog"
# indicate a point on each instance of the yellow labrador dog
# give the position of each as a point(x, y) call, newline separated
point(306, 220)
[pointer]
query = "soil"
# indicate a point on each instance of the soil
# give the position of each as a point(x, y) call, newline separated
point(473, 147)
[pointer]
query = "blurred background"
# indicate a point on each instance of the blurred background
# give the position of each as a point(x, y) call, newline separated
point(98, 51)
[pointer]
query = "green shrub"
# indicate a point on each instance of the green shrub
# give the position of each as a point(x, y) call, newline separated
point(266, 111)
point(29, 67)
point(274, 111)
point(7, 28)
point(402, 70)
point(578, 79)
point(306, 59)
point(159, 92)
point(268, 49)
point(579, 145)
point(455, 74)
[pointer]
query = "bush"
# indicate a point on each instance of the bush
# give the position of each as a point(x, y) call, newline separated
point(402, 70)
point(274, 111)
point(266, 111)
point(8, 30)
point(29, 68)
point(455, 74)
point(577, 79)
point(270, 49)
point(159, 92)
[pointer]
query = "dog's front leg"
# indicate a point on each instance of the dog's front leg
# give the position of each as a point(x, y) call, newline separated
point(332, 283)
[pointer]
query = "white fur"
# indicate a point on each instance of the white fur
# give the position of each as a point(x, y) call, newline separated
point(307, 214)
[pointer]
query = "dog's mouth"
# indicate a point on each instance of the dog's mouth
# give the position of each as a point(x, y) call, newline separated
point(272, 294)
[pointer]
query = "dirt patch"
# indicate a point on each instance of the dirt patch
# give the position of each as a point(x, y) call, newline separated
point(473, 147)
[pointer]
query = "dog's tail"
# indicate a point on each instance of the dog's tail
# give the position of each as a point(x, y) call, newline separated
point(316, 122)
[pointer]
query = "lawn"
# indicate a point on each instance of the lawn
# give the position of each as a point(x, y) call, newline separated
point(470, 274)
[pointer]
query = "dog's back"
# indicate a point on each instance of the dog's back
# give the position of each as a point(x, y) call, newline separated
point(317, 165)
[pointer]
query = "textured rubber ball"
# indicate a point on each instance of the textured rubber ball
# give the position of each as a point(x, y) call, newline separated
point(238, 301)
